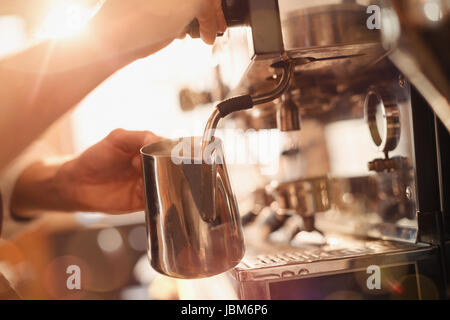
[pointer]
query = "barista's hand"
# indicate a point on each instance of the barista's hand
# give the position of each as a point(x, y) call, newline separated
point(145, 26)
point(107, 177)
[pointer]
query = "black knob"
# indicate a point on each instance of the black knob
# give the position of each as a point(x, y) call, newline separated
point(236, 12)
point(248, 218)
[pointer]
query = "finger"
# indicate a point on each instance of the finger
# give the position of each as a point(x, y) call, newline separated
point(150, 137)
point(136, 163)
point(140, 191)
point(221, 22)
point(182, 36)
point(207, 19)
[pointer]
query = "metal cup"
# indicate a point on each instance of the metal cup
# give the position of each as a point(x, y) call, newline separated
point(192, 219)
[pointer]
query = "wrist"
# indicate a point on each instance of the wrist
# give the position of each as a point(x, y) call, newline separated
point(42, 188)
point(67, 187)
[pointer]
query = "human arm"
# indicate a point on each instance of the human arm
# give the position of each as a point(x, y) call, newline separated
point(107, 177)
point(42, 83)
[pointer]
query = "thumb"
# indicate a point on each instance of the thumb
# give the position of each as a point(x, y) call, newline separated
point(136, 163)
point(132, 141)
point(150, 137)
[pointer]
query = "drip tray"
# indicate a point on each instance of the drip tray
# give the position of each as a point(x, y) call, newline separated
point(265, 260)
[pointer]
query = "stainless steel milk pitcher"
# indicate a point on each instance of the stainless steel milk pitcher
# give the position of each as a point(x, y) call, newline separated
point(193, 223)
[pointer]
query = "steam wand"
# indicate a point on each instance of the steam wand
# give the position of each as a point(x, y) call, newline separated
point(245, 102)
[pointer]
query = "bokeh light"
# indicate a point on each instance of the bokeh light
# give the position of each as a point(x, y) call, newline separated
point(109, 240)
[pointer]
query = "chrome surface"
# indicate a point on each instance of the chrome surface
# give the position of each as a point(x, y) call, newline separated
point(192, 219)
point(327, 25)
point(383, 117)
point(286, 76)
point(257, 271)
point(283, 262)
point(288, 115)
point(303, 197)
point(416, 37)
point(348, 94)
point(210, 128)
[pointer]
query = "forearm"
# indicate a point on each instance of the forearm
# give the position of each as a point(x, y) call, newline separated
point(42, 83)
point(41, 189)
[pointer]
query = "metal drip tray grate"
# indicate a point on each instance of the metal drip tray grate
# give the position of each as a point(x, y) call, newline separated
point(305, 255)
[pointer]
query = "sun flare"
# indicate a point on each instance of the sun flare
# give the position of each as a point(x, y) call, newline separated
point(65, 19)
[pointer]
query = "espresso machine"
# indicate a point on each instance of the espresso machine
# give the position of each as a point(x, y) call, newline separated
point(359, 206)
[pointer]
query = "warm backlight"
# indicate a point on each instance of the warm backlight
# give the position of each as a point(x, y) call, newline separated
point(65, 19)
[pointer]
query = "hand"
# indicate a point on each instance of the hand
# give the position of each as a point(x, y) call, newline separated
point(145, 26)
point(107, 177)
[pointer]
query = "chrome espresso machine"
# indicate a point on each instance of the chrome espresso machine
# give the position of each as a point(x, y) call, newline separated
point(359, 206)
